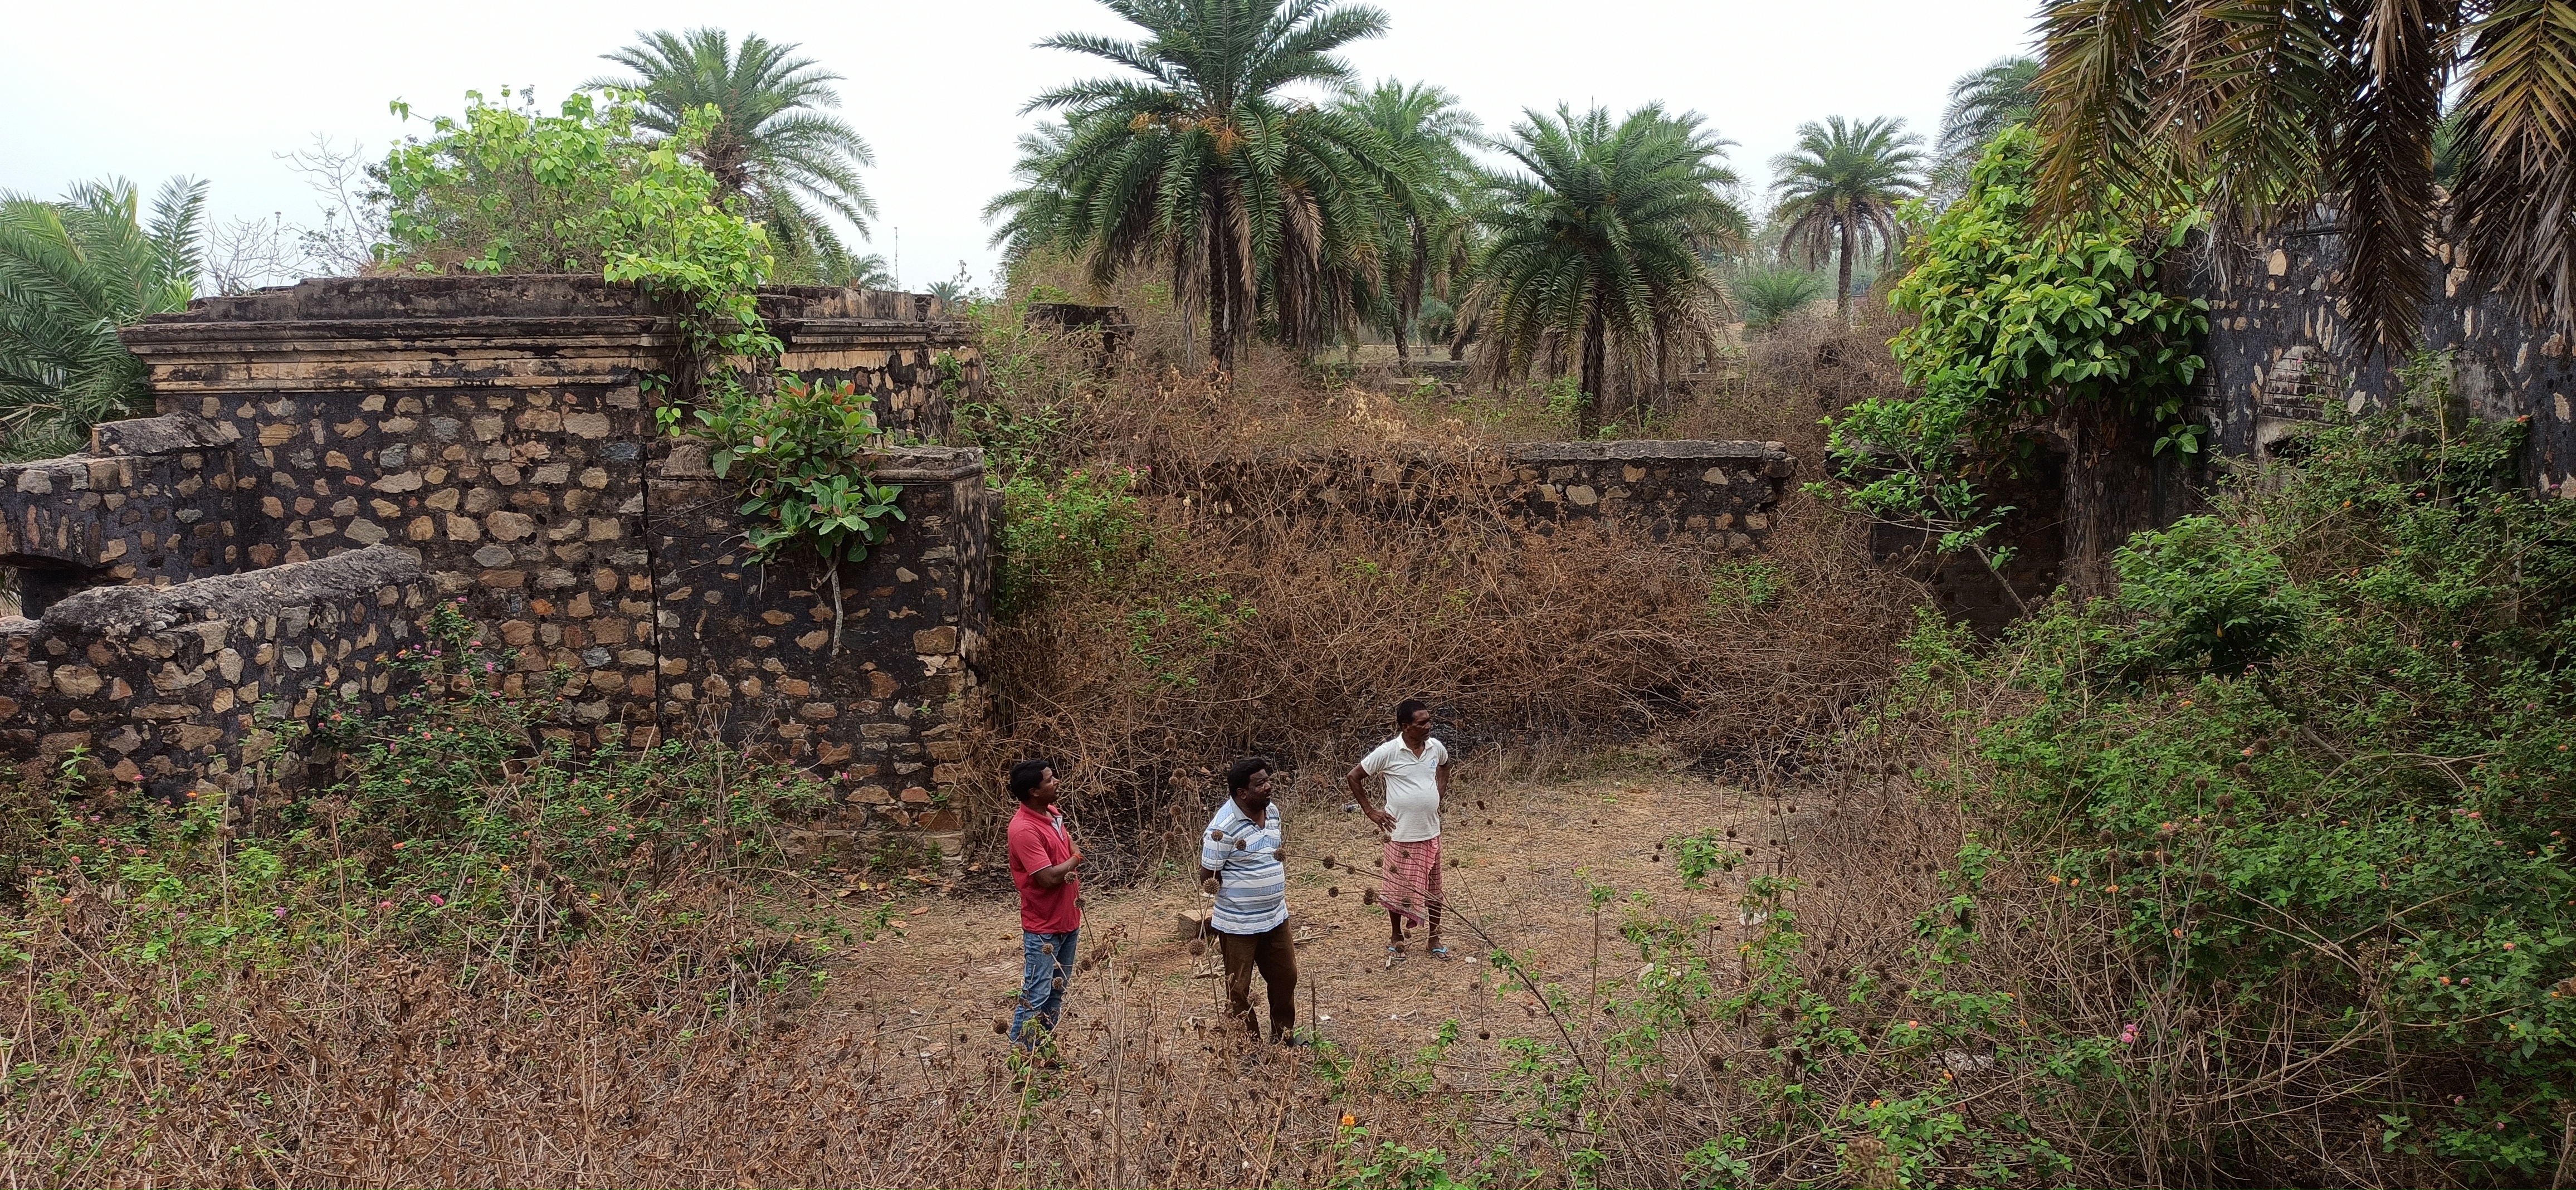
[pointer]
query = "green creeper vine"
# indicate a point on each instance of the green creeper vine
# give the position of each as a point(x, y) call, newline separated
point(509, 188)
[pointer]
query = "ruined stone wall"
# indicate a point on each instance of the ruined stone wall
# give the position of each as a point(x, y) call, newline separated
point(160, 684)
point(494, 435)
point(2280, 350)
point(1718, 495)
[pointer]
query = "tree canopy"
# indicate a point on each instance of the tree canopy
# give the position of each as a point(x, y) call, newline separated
point(770, 141)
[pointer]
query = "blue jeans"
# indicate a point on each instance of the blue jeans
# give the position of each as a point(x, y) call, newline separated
point(1046, 961)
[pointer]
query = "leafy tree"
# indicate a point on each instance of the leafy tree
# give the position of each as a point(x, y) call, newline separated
point(1427, 240)
point(1983, 103)
point(71, 273)
point(1599, 240)
point(1839, 190)
point(769, 142)
point(2263, 112)
point(1257, 204)
point(2020, 322)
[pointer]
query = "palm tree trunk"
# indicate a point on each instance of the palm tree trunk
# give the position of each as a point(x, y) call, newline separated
point(1842, 281)
point(1596, 344)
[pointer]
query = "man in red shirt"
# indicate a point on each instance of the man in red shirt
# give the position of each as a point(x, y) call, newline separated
point(1042, 860)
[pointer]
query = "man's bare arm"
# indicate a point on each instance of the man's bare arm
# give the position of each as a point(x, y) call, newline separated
point(1357, 779)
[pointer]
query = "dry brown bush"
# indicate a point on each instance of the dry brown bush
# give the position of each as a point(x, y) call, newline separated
point(1524, 640)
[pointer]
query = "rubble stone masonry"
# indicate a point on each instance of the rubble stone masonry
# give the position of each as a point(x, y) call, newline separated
point(330, 458)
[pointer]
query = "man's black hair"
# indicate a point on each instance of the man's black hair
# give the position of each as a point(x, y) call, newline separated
point(1239, 774)
point(1406, 710)
point(1026, 776)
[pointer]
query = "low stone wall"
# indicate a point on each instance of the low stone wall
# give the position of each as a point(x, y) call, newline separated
point(493, 434)
point(163, 685)
point(1718, 495)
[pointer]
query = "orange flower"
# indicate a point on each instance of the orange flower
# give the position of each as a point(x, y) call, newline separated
point(1349, 1120)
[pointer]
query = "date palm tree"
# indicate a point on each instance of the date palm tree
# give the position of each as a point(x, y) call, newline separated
point(1194, 161)
point(773, 146)
point(1838, 192)
point(2263, 113)
point(1030, 212)
point(1983, 103)
point(71, 273)
point(1427, 239)
point(1600, 240)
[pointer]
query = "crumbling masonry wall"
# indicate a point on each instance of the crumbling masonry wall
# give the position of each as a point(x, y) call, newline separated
point(1711, 495)
point(489, 440)
point(2280, 350)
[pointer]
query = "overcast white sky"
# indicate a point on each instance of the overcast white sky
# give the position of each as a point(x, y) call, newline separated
point(216, 89)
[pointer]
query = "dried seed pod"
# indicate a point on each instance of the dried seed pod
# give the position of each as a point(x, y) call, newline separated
point(1368, 896)
point(1197, 947)
point(2243, 771)
point(1001, 1024)
point(2226, 801)
point(1334, 891)
point(1328, 863)
point(1453, 861)
point(1480, 803)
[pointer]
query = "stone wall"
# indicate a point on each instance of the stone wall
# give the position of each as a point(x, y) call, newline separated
point(493, 435)
point(1717, 495)
point(160, 684)
point(2280, 349)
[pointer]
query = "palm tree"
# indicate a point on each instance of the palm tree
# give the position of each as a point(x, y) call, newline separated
point(1983, 103)
point(1031, 212)
point(2262, 113)
point(771, 146)
point(1838, 192)
point(1599, 241)
point(71, 273)
point(1427, 239)
point(1257, 204)
point(1769, 296)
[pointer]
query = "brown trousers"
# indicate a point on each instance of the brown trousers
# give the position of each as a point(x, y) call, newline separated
point(1275, 954)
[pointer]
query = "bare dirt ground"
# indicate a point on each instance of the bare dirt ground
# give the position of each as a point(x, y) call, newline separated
point(1524, 852)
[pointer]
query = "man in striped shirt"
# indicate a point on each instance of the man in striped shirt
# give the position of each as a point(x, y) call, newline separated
point(1240, 864)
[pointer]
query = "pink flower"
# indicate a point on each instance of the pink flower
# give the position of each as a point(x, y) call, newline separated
point(281, 914)
point(437, 902)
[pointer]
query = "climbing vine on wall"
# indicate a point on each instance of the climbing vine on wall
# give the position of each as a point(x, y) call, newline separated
point(508, 188)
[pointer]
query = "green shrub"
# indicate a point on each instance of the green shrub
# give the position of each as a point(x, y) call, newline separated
point(1082, 529)
point(2315, 767)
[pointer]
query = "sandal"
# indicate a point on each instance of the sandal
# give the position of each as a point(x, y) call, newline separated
point(1440, 952)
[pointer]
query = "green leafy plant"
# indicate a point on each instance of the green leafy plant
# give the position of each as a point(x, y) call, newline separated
point(1076, 531)
point(1752, 584)
point(2311, 770)
point(1703, 854)
point(2019, 319)
point(796, 453)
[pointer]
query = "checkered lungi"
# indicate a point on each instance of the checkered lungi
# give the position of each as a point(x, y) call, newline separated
point(1412, 877)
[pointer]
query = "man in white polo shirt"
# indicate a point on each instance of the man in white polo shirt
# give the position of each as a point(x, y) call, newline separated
point(1416, 769)
point(1239, 864)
